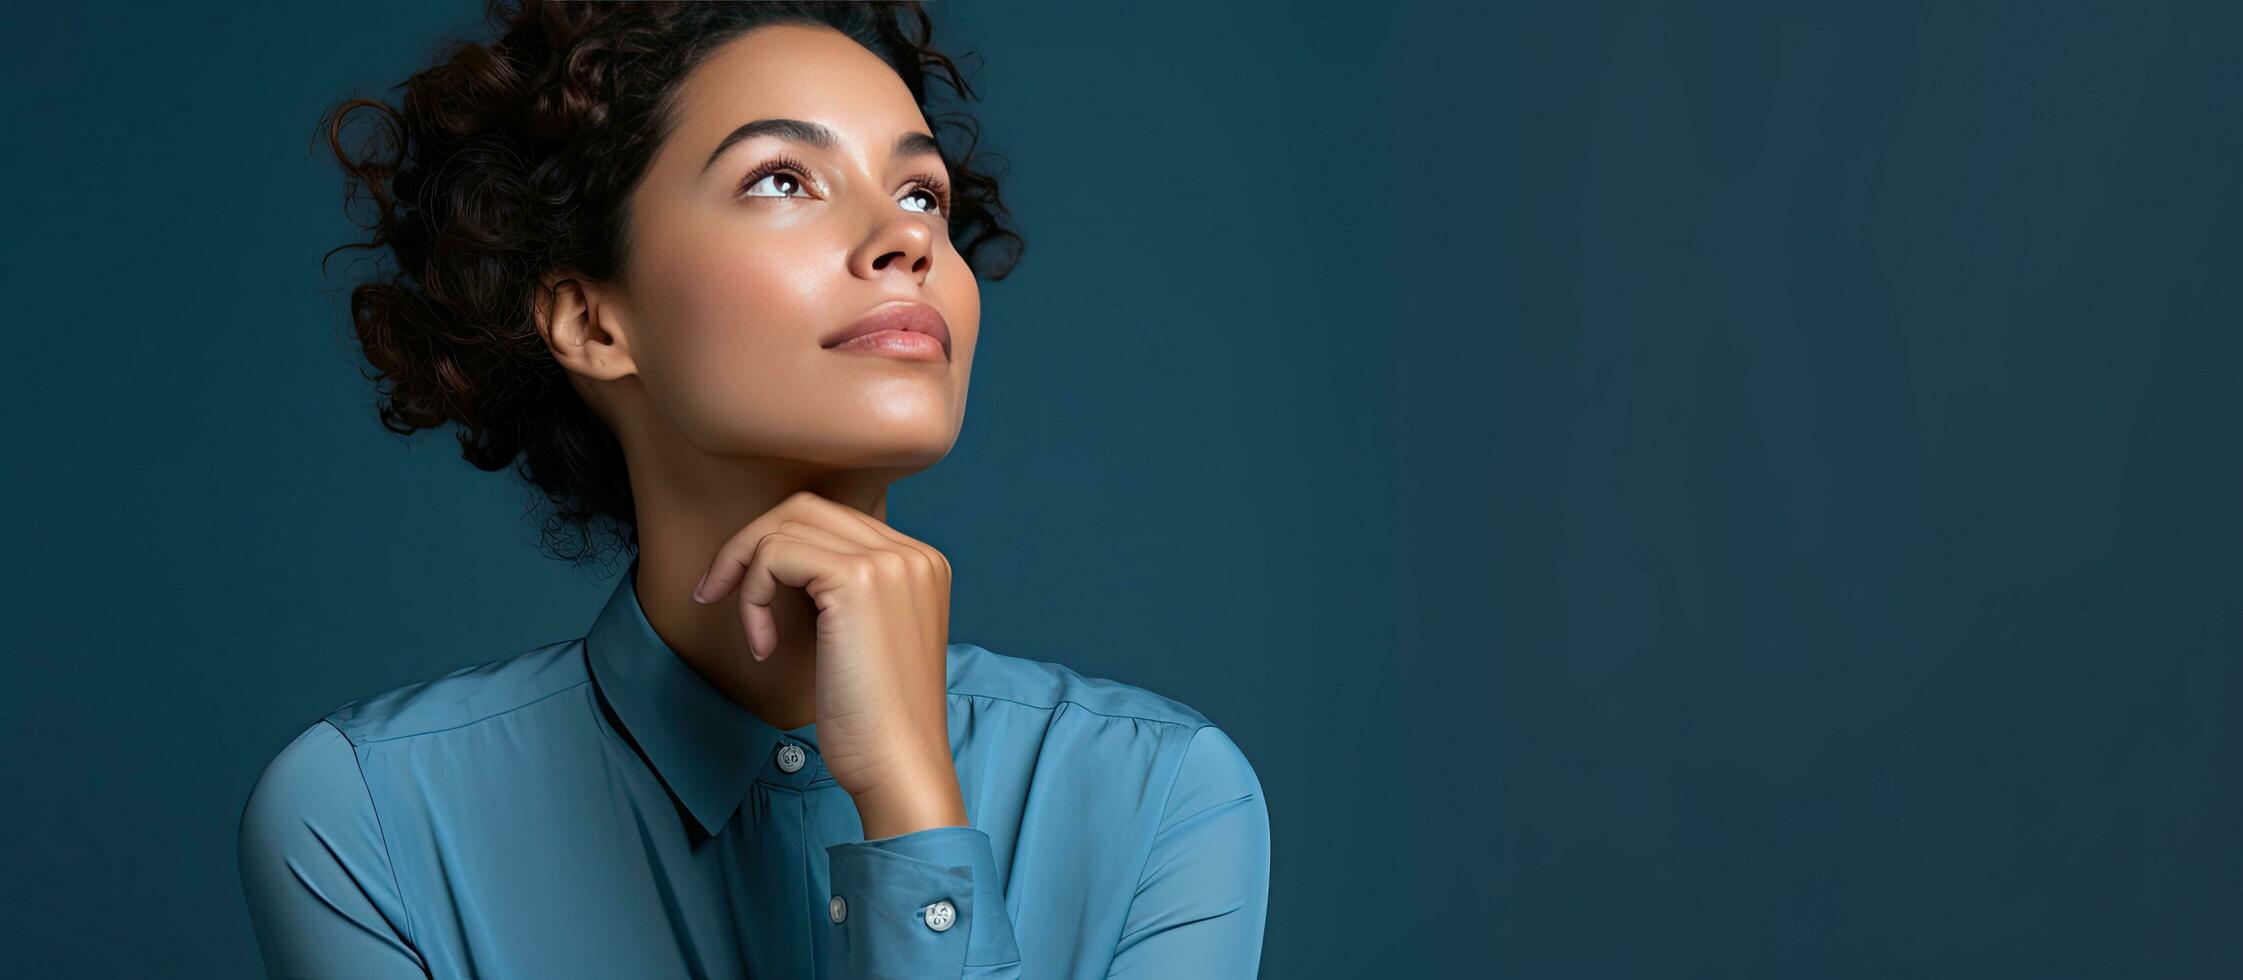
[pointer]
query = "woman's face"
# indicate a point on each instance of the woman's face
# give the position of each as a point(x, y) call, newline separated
point(742, 264)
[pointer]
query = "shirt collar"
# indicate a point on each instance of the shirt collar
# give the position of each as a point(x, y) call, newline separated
point(705, 747)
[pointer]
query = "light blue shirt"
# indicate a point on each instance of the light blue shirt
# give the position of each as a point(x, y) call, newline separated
point(593, 808)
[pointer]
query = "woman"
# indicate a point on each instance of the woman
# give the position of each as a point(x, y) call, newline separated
point(731, 232)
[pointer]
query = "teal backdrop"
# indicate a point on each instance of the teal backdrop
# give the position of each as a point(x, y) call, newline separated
point(1749, 490)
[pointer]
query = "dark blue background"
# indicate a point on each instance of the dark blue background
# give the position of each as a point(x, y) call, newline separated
point(1656, 492)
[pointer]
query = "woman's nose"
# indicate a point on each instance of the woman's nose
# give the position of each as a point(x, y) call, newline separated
point(903, 242)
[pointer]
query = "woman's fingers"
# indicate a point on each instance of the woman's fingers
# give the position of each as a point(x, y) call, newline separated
point(819, 535)
point(821, 530)
point(802, 506)
point(934, 558)
point(782, 558)
point(927, 564)
point(864, 528)
point(760, 580)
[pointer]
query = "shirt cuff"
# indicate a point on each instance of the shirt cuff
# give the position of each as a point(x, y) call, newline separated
point(923, 904)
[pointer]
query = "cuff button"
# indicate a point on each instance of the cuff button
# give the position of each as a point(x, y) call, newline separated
point(941, 915)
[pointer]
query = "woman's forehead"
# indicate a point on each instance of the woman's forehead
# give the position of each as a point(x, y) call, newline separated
point(799, 72)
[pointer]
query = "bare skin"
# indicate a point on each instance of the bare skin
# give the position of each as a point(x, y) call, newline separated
point(759, 457)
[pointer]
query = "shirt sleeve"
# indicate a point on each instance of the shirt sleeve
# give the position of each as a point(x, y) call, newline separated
point(923, 904)
point(1203, 898)
point(315, 869)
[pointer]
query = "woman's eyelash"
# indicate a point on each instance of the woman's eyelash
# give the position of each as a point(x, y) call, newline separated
point(934, 185)
point(939, 188)
point(773, 166)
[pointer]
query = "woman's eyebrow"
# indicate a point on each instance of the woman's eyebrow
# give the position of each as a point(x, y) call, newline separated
point(815, 134)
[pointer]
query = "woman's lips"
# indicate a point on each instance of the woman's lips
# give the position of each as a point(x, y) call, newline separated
point(897, 343)
point(904, 329)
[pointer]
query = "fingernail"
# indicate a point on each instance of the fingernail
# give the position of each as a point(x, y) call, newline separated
point(697, 588)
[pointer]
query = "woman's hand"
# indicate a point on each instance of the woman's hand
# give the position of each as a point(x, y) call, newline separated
point(883, 635)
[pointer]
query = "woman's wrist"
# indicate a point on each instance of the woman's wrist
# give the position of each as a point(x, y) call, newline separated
point(893, 810)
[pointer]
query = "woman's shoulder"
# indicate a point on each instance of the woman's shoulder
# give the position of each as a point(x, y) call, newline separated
point(321, 754)
point(977, 671)
point(314, 866)
point(1205, 764)
point(463, 696)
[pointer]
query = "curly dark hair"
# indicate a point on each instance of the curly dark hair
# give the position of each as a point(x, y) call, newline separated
point(506, 160)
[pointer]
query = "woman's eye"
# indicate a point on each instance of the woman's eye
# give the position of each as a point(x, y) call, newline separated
point(786, 183)
point(775, 179)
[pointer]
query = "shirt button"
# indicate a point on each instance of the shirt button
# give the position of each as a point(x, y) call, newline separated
point(837, 910)
point(941, 915)
point(790, 757)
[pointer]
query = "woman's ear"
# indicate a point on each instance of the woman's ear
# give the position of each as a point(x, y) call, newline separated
point(582, 326)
